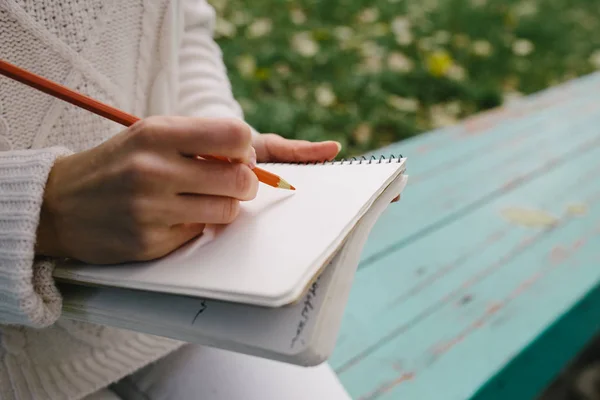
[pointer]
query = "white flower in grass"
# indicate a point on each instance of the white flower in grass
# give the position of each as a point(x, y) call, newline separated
point(260, 27)
point(304, 44)
point(430, 5)
point(456, 72)
point(368, 15)
point(224, 28)
point(371, 49)
point(324, 95)
point(522, 47)
point(526, 9)
point(482, 48)
point(398, 62)
point(219, 5)
point(403, 104)
point(401, 28)
point(400, 24)
point(453, 108)
point(404, 38)
point(297, 16)
point(372, 54)
point(372, 65)
point(442, 37)
point(283, 70)
point(240, 18)
point(343, 33)
point(440, 116)
point(246, 65)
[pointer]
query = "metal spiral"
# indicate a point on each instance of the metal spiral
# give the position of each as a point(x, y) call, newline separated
point(349, 161)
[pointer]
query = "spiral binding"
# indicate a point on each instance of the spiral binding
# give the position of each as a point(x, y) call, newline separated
point(350, 161)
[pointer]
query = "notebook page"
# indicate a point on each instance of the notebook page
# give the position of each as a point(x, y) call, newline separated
point(304, 333)
point(271, 252)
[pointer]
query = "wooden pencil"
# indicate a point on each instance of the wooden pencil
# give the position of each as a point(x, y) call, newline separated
point(64, 93)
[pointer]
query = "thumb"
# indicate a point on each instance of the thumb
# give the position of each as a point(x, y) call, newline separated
point(280, 149)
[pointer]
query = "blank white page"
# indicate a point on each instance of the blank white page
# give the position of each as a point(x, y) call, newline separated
point(268, 256)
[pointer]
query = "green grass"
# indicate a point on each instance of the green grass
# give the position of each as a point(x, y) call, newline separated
point(367, 73)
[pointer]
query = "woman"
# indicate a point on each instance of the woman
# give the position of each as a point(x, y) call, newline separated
point(73, 184)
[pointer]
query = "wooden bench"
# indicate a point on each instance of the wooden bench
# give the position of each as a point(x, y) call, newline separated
point(482, 283)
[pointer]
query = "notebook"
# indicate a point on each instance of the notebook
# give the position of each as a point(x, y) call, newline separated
point(272, 253)
point(303, 333)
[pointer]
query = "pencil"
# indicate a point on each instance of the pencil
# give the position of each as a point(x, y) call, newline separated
point(64, 93)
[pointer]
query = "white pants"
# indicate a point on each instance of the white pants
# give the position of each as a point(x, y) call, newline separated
point(201, 373)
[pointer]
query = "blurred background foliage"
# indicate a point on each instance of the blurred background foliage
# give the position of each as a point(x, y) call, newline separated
point(368, 73)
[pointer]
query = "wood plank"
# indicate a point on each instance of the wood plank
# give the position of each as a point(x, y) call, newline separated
point(531, 163)
point(385, 272)
point(435, 143)
point(464, 358)
point(379, 291)
point(528, 374)
point(490, 159)
point(410, 313)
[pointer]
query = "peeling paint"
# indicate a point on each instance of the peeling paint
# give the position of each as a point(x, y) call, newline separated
point(577, 209)
point(531, 218)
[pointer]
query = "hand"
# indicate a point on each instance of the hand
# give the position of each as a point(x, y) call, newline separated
point(274, 148)
point(142, 194)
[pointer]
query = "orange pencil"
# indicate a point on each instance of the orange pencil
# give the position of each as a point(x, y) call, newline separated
point(106, 111)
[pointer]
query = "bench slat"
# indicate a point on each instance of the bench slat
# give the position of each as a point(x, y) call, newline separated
point(446, 313)
point(452, 179)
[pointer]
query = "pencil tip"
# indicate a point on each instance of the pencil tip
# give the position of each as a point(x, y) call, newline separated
point(285, 185)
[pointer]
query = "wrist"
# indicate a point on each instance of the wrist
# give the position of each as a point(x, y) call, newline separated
point(47, 236)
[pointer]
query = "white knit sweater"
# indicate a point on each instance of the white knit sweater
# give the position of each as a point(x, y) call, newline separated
point(147, 57)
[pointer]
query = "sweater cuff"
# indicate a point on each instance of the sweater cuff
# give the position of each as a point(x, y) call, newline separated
point(28, 295)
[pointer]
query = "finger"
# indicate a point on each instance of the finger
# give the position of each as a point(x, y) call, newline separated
point(190, 209)
point(171, 239)
point(277, 148)
point(183, 233)
point(396, 199)
point(225, 137)
point(215, 178)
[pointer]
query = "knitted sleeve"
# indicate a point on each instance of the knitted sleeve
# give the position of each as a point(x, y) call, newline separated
point(27, 292)
point(205, 90)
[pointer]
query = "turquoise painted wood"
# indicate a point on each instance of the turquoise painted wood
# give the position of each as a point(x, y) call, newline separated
point(482, 282)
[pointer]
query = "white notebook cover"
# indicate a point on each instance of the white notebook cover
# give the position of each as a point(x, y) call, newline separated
point(271, 253)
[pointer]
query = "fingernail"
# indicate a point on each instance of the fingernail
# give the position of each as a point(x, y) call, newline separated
point(339, 146)
point(252, 159)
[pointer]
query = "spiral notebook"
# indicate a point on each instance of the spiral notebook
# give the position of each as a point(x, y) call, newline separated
point(281, 241)
point(303, 332)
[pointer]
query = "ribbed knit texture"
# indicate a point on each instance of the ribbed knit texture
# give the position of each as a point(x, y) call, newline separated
point(27, 296)
point(144, 56)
